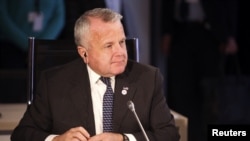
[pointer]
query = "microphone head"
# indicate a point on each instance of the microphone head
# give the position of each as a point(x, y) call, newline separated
point(131, 105)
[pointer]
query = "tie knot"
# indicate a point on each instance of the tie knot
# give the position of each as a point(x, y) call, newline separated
point(106, 80)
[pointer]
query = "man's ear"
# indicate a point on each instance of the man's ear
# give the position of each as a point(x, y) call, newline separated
point(83, 53)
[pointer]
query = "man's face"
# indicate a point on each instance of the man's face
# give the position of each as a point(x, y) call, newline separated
point(107, 54)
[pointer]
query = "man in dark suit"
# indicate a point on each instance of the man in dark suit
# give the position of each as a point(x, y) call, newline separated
point(68, 105)
point(195, 34)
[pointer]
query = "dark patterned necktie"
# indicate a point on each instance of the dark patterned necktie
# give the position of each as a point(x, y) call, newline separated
point(107, 105)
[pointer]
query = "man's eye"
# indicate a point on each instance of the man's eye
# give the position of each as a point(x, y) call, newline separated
point(122, 43)
point(108, 46)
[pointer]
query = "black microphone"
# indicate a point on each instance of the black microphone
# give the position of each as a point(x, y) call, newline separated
point(132, 108)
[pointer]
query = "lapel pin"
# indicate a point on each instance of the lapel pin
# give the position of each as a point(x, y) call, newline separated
point(125, 90)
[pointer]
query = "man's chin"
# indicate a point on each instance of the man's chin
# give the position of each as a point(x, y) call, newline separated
point(119, 70)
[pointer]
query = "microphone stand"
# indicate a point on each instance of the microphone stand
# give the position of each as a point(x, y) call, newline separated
point(132, 108)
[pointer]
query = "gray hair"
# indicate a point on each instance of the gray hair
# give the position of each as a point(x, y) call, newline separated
point(81, 30)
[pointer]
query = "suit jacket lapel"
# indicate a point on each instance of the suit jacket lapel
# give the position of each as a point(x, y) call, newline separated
point(124, 91)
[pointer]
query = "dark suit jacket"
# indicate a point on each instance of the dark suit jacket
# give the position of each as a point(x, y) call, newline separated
point(63, 101)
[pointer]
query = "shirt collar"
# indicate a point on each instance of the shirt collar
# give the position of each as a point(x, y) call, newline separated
point(94, 77)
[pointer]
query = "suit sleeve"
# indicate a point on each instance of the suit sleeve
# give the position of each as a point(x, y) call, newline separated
point(34, 126)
